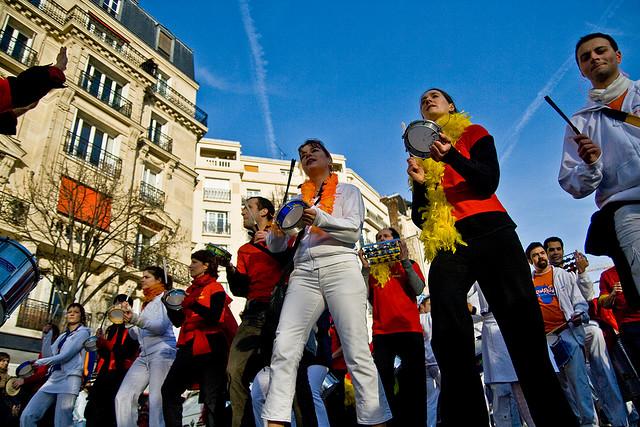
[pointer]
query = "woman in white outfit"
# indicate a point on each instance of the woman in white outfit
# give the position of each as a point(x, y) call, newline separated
point(154, 332)
point(326, 275)
point(65, 357)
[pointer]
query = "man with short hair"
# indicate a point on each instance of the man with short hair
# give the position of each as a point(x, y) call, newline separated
point(602, 374)
point(563, 311)
point(605, 158)
point(253, 278)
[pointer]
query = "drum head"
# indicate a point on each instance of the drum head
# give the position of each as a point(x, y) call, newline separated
point(173, 299)
point(25, 370)
point(293, 217)
point(419, 137)
point(10, 389)
point(91, 343)
point(116, 315)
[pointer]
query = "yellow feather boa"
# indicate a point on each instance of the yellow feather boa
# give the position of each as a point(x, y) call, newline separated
point(439, 227)
point(382, 272)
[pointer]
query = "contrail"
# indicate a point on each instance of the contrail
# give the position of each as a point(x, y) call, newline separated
point(259, 64)
point(551, 84)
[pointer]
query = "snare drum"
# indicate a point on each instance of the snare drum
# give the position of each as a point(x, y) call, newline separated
point(116, 314)
point(289, 217)
point(419, 137)
point(377, 253)
point(19, 274)
point(173, 299)
point(559, 348)
point(91, 343)
point(218, 251)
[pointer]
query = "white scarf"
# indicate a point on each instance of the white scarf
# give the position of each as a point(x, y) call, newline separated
point(611, 92)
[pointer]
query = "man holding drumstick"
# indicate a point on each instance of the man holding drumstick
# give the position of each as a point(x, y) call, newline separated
point(605, 158)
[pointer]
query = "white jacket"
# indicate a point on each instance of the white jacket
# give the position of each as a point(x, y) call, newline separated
point(335, 241)
point(615, 176)
point(153, 329)
point(71, 354)
point(570, 299)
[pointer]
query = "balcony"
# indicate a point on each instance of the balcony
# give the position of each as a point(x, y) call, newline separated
point(151, 195)
point(87, 152)
point(216, 227)
point(180, 101)
point(18, 50)
point(13, 209)
point(108, 96)
point(36, 314)
point(216, 194)
point(51, 8)
point(374, 218)
point(144, 257)
point(160, 139)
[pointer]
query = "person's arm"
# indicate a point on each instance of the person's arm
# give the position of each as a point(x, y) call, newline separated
point(213, 312)
point(46, 344)
point(577, 177)
point(153, 318)
point(415, 283)
point(481, 170)
point(348, 226)
point(608, 291)
point(71, 347)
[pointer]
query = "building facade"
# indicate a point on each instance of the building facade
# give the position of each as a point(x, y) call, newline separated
point(121, 134)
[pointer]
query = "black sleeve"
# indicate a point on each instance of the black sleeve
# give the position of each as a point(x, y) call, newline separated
point(176, 317)
point(419, 200)
point(125, 350)
point(481, 170)
point(8, 123)
point(212, 313)
point(238, 283)
point(31, 85)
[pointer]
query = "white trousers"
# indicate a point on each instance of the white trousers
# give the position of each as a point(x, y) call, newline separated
point(341, 288)
point(41, 401)
point(144, 371)
point(627, 224)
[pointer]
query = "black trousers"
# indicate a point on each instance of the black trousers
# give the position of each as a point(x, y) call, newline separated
point(497, 261)
point(100, 410)
point(209, 371)
point(409, 405)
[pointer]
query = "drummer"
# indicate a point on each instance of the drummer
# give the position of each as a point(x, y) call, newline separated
point(7, 405)
point(326, 273)
point(393, 287)
point(154, 332)
point(117, 351)
point(65, 357)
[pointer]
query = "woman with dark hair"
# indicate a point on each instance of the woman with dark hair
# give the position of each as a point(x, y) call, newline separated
point(154, 332)
point(206, 330)
point(65, 357)
point(326, 274)
point(469, 236)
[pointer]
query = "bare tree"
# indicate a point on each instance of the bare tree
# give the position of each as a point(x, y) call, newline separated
point(86, 221)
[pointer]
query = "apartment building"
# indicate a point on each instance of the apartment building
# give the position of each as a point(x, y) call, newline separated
point(124, 131)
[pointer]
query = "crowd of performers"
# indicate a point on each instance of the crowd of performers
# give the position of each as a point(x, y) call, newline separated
point(548, 347)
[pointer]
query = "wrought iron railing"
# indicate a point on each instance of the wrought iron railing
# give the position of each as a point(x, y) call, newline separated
point(216, 194)
point(144, 257)
point(36, 314)
point(160, 139)
point(17, 49)
point(375, 218)
point(151, 195)
point(51, 8)
point(162, 88)
point(84, 150)
point(216, 227)
point(13, 209)
point(105, 94)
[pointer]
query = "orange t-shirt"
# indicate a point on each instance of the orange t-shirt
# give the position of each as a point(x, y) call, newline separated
point(548, 300)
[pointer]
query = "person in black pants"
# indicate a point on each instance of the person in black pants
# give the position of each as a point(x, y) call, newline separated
point(469, 236)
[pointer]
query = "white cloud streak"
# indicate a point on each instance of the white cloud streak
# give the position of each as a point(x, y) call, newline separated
point(259, 64)
point(552, 83)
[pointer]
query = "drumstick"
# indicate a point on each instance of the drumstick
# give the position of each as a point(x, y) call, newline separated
point(164, 268)
point(255, 223)
point(566, 119)
point(404, 127)
point(286, 193)
point(55, 311)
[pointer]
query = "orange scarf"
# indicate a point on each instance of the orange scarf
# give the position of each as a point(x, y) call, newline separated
point(153, 291)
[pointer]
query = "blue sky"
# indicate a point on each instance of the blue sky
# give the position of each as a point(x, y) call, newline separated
point(349, 72)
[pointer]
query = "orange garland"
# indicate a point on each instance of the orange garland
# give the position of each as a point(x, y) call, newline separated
point(327, 198)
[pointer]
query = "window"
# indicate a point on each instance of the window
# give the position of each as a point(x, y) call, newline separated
point(164, 84)
point(216, 189)
point(94, 146)
point(164, 44)
point(216, 222)
point(82, 203)
point(105, 88)
point(150, 188)
point(157, 134)
point(111, 6)
point(144, 255)
point(16, 42)
point(253, 193)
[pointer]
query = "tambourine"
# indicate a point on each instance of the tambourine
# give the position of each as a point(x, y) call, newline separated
point(10, 389)
point(289, 217)
point(173, 299)
point(377, 253)
point(91, 343)
point(419, 137)
point(25, 369)
point(116, 314)
point(218, 251)
point(568, 263)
